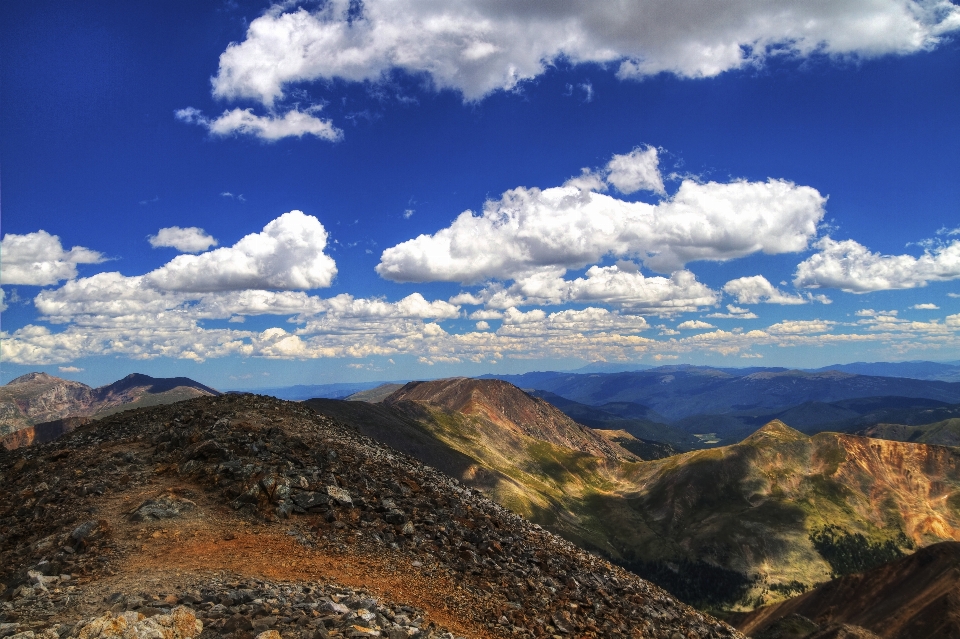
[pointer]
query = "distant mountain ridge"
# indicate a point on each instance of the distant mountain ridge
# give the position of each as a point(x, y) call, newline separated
point(939, 371)
point(677, 392)
point(40, 407)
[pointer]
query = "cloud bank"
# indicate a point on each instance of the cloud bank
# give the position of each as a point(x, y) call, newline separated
point(477, 47)
point(567, 227)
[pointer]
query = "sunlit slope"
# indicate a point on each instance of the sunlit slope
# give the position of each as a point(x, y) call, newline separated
point(753, 508)
point(942, 433)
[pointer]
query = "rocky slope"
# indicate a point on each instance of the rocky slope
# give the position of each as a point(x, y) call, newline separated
point(482, 432)
point(262, 515)
point(745, 524)
point(913, 597)
point(41, 407)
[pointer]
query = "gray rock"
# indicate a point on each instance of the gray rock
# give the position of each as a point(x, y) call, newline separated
point(7, 629)
point(341, 496)
point(85, 530)
point(163, 507)
point(309, 499)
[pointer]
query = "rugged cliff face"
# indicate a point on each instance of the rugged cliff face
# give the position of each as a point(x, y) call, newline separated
point(37, 397)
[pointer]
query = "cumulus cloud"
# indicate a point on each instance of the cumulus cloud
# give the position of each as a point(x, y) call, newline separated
point(694, 325)
point(486, 314)
point(287, 254)
point(925, 307)
point(70, 369)
point(636, 171)
point(618, 285)
point(271, 127)
point(186, 240)
point(588, 321)
point(477, 47)
point(801, 327)
point(852, 267)
point(568, 227)
point(38, 259)
point(756, 289)
point(734, 312)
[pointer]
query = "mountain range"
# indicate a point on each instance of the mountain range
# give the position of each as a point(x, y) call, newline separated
point(678, 392)
point(726, 527)
point(39, 407)
point(732, 526)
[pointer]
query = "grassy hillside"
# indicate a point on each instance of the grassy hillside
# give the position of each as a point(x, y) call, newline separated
point(942, 433)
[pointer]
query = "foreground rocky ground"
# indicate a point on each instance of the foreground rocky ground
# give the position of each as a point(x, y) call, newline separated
point(257, 515)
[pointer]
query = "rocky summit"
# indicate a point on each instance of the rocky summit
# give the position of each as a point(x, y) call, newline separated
point(260, 518)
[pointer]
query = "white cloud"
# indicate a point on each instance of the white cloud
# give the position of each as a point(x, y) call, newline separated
point(925, 307)
point(852, 267)
point(107, 295)
point(756, 289)
point(486, 314)
point(589, 321)
point(272, 127)
point(617, 285)
point(412, 306)
point(635, 171)
point(801, 327)
point(70, 369)
point(38, 259)
point(477, 47)
point(567, 227)
point(693, 325)
point(3, 301)
point(869, 312)
point(185, 240)
point(734, 312)
point(288, 254)
point(483, 326)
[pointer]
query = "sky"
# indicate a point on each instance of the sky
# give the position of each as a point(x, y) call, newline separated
point(258, 195)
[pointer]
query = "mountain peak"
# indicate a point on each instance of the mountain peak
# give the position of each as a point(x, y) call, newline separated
point(507, 408)
point(775, 431)
point(33, 377)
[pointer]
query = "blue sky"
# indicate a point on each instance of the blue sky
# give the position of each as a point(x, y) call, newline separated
point(745, 185)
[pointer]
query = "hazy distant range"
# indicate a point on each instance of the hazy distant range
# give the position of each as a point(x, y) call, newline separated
point(922, 370)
